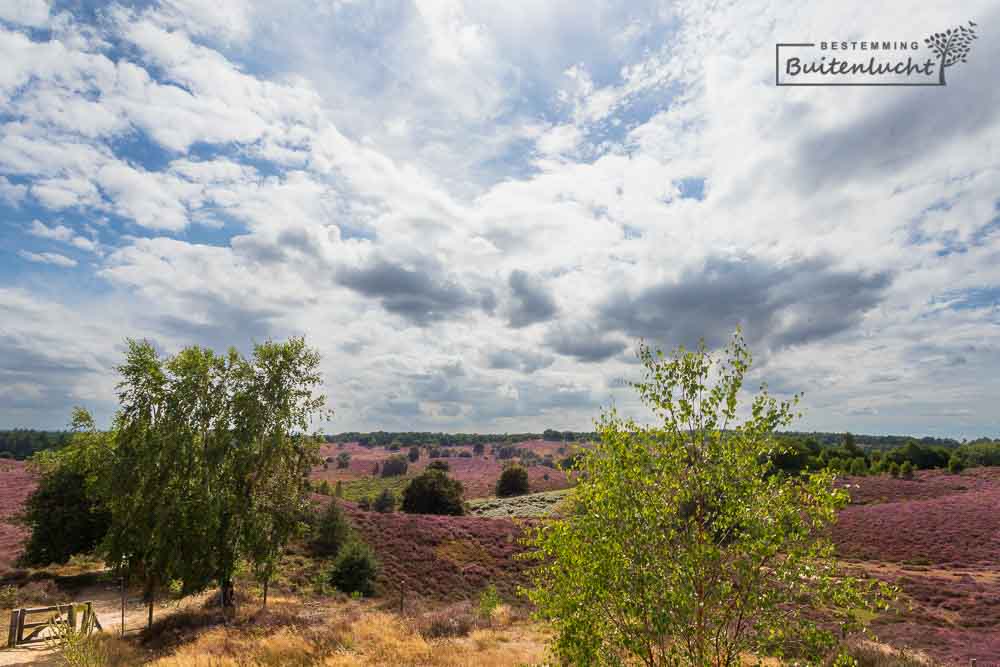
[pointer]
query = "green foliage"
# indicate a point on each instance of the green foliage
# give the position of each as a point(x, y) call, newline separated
point(332, 530)
point(394, 466)
point(355, 569)
point(385, 502)
point(343, 459)
point(513, 481)
point(443, 466)
point(893, 469)
point(414, 454)
point(22, 443)
point(433, 492)
point(906, 470)
point(209, 463)
point(371, 487)
point(858, 466)
point(64, 512)
point(685, 549)
point(489, 600)
point(955, 464)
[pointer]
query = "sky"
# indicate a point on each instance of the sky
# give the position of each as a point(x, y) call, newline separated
point(475, 210)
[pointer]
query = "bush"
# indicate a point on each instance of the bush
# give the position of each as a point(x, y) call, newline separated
point(478, 449)
point(64, 519)
point(385, 503)
point(414, 454)
point(956, 464)
point(395, 466)
point(893, 469)
point(433, 492)
point(343, 459)
point(906, 470)
point(355, 569)
point(332, 531)
point(513, 482)
point(443, 466)
point(489, 600)
point(858, 467)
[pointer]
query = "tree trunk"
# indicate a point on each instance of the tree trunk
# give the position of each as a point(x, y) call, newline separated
point(149, 620)
point(227, 595)
point(267, 583)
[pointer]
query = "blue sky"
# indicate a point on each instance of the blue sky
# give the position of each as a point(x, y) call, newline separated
point(476, 209)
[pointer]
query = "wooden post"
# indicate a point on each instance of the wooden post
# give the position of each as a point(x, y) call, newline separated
point(123, 606)
point(12, 635)
point(20, 627)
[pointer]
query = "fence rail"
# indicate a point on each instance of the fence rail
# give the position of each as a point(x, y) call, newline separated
point(75, 616)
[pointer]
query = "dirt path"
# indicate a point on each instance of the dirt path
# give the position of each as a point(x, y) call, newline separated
point(107, 604)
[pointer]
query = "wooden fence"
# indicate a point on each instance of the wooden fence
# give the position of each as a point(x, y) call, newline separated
point(76, 616)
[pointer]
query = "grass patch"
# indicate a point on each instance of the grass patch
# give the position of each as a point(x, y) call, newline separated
point(370, 487)
point(530, 505)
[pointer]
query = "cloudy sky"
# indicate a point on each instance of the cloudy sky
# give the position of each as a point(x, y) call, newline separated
point(474, 210)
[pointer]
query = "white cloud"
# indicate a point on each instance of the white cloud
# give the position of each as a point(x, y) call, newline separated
point(33, 13)
point(53, 258)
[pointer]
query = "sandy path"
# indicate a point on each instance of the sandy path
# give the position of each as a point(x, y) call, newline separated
point(107, 604)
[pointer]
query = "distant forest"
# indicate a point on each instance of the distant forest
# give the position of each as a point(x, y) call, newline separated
point(22, 443)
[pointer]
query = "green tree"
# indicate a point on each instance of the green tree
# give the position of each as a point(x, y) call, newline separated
point(385, 502)
point(686, 550)
point(355, 569)
point(64, 512)
point(438, 464)
point(332, 530)
point(906, 470)
point(955, 464)
point(433, 492)
point(210, 462)
point(414, 454)
point(343, 459)
point(858, 467)
point(394, 466)
point(513, 481)
point(893, 469)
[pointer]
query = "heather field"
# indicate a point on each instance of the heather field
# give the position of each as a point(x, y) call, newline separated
point(478, 473)
point(17, 481)
point(938, 538)
point(443, 557)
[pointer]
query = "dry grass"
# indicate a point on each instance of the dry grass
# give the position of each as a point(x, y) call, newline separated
point(353, 633)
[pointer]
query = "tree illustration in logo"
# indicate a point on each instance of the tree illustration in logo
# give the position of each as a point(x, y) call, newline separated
point(951, 47)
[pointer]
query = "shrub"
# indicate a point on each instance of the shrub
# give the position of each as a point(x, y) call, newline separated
point(63, 517)
point(893, 469)
point(478, 449)
point(385, 502)
point(955, 464)
point(355, 569)
point(453, 621)
point(513, 482)
point(858, 467)
point(395, 466)
point(365, 503)
point(414, 454)
point(489, 600)
point(343, 459)
point(332, 531)
point(906, 470)
point(433, 492)
point(443, 466)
